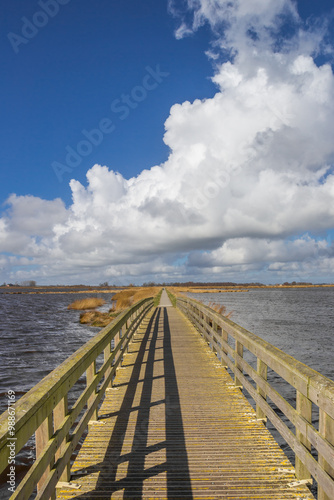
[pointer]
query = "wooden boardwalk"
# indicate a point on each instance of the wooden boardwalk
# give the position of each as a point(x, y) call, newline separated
point(174, 426)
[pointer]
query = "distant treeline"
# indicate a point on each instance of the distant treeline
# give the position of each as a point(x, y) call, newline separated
point(220, 284)
point(188, 284)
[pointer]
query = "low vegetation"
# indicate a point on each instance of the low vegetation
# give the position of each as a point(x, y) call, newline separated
point(89, 303)
point(126, 298)
point(120, 301)
point(172, 297)
point(157, 298)
point(97, 318)
point(220, 309)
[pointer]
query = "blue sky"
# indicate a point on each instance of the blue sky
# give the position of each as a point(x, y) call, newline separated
point(68, 77)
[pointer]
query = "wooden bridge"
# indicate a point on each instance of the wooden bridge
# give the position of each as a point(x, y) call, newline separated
point(173, 424)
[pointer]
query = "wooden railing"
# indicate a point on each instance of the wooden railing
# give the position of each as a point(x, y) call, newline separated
point(44, 410)
point(231, 342)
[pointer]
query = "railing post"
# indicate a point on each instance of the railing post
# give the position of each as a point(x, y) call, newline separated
point(208, 331)
point(116, 342)
point(217, 330)
point(262, 370)
point(126, 333)
point(127, 326)
point(304, 409)
point(224, 339)
point(121, 350)
point(59, 414)
point(326, 429)
point(106, 356)
point(90, 374)
point(42, 435)
point(239, 350)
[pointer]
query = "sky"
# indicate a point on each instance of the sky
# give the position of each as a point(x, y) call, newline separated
point(179, 140)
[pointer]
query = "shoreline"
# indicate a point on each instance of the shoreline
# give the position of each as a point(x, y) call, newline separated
point(49, 289)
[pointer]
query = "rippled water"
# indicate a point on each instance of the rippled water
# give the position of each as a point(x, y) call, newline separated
point(300, 321)
point(37, 333)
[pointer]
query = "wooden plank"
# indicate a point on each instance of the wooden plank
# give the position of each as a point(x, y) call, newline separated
point(176, 427)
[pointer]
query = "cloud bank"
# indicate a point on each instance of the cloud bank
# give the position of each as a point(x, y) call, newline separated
point(247, 192)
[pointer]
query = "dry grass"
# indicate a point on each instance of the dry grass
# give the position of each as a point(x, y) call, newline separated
point(182, 289)
point(120, 301)
point(126, 298)
point(220, 309)
point(89, 303)
point(97, 318)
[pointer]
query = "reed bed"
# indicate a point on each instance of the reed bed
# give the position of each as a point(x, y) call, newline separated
point(120, 301)
point(126, 298)
point(89, 303)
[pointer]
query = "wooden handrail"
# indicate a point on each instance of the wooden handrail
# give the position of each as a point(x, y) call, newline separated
point(311, 389)
point(44, 411)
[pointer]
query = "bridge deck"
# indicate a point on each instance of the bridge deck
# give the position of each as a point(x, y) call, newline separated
point(175, 427)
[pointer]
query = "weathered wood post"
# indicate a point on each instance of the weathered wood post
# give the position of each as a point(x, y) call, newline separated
point(224, 350)
point(127, 326)
point(239, 351)
point(262, 370)
point(304, 408)
point(208, 326)
point(106, 357)
point(116, 342)
point(202, 318)
point(90, 374)
point(59, 414)
point(212, 335)
point(218, 331)
point(326, 429)
point(42, 435)
point(120, 353)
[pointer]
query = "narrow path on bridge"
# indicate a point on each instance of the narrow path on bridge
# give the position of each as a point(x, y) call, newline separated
point(164, 299)
point(175, 427)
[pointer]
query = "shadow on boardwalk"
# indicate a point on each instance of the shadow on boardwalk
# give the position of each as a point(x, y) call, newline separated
point(175, 467)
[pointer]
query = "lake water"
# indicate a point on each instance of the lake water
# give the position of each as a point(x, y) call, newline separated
point(38, 332)
point(300, 321)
